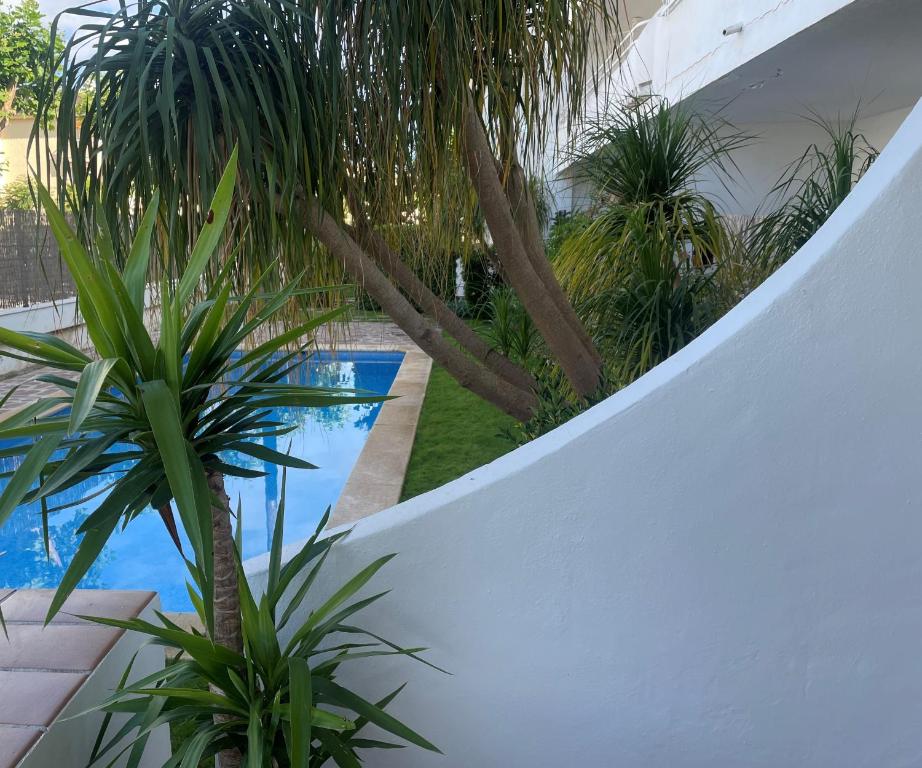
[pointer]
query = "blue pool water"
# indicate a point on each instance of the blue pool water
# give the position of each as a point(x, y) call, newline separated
point(143, 556)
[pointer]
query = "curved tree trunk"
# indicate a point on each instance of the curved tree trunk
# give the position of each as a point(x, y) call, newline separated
point(435, 308)
point(526, 219)
point(227, 625)
point(580, 367)
point(468, 372)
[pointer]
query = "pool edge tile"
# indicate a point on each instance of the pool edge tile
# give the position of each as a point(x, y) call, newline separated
point(376, 479)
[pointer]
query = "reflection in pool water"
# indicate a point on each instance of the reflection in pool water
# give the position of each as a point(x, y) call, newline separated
point(143, 556)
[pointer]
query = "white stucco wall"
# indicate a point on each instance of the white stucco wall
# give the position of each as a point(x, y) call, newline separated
point(718, 566)
point(683, 47)
point(774, 148)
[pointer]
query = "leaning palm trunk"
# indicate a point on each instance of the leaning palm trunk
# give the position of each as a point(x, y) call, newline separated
point(227, 622)
point(435, 308)
point(467, 371)
point(526, 219)
point(578, 364)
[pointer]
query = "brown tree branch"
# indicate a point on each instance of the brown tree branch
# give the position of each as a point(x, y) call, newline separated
point(431, 305)
point(580, 367)
point(526, 219)
point(467, 371)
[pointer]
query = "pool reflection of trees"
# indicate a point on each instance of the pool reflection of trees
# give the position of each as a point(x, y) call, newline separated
point(317, 372)
point(23, 559)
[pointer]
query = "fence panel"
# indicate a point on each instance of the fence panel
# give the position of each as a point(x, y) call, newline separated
point(31, 268)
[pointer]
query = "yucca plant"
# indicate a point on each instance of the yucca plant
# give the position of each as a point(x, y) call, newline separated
point(654, 303)
point(814, 186)
point(645, 159)
point(158, 414)
point(277, 703)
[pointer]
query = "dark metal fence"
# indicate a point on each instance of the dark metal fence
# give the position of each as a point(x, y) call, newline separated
point(31, 269)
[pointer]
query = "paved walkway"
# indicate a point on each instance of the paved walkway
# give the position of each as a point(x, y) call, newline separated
point(28, 388)
point(376, 480)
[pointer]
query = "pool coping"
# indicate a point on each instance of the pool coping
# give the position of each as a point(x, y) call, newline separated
point(376, 479)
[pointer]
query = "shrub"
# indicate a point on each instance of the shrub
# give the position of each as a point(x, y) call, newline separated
point(16, 195)
point(278, 704)
point(566, 224)
point(557, 405)
point(657, 299)
point(481, 278)
point(815, 185)
point(510, 328)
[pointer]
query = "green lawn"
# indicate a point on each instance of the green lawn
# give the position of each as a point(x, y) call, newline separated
point(457, 432)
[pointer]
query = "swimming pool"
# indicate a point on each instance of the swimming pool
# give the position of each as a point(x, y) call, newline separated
point(143, 556)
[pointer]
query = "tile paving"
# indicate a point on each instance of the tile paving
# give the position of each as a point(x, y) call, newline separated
point(43, 668)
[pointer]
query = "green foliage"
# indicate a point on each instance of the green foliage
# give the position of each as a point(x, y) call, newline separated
point(743, 265)
point(566, 224)
point(817, 183)
point(341, 100)
point(656, 264)
point(651, 151)
point(658, 298)
point(556, 406)
point(431, 258)
point(540, 194)
point(643, 163)
point(26, 57)
point(510, 329)
point(167, 407)
point(16, 195)
point(481, 278)
point(457, 432)
point(641, 270)
point(278, 703)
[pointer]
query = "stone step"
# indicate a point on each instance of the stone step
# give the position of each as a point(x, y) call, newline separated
point(48, 674)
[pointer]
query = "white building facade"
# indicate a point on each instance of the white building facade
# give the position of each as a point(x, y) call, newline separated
point(773, 69)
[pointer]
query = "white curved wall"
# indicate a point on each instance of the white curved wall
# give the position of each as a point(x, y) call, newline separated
point(719, 566)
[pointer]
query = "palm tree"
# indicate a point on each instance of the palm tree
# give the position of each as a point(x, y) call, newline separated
point(360, 111)
point(813, 187)
point(170, 409)
point(641, 268)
